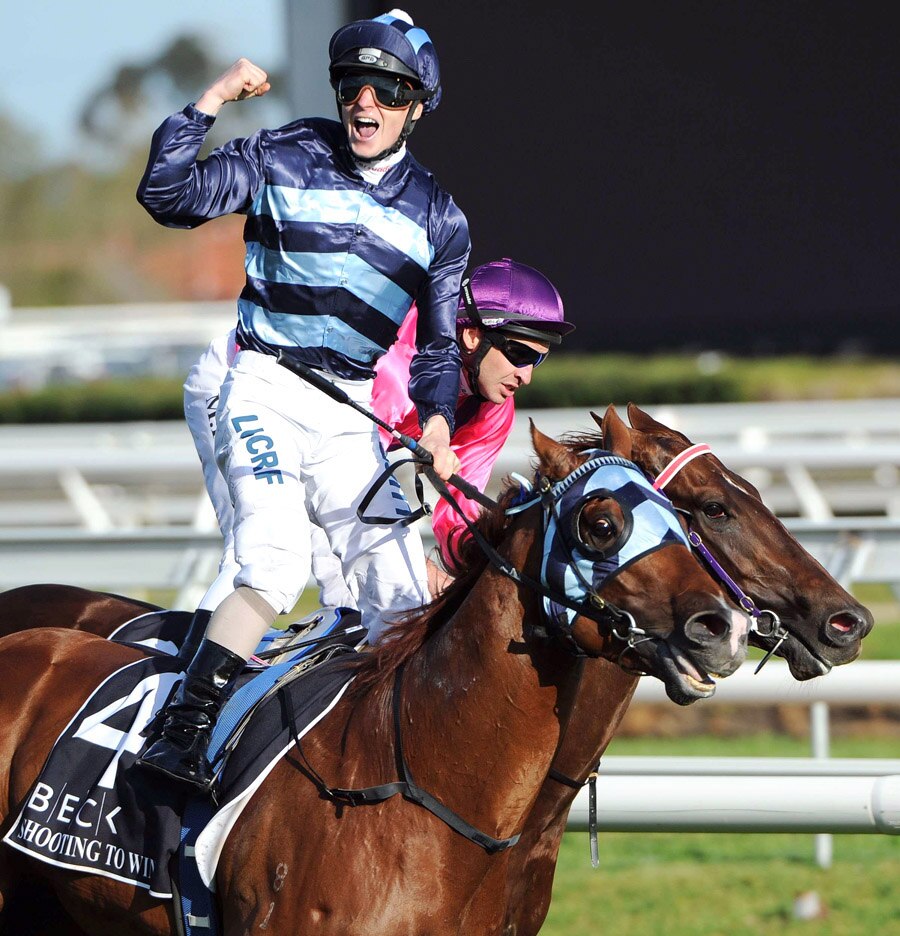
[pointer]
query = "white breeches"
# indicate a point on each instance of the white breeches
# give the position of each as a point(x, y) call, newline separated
point(201, 400)
point(291, 455)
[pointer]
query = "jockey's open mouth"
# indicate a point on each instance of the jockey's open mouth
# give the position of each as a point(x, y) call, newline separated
point(365, 127)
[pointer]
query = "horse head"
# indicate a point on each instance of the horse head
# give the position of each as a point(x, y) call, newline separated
point(615, 548)
point(823, 623)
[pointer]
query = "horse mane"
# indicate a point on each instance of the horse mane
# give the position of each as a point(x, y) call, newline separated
point(411, 630)
point(581, 442)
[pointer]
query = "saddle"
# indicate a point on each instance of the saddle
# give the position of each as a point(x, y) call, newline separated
point(90, 811)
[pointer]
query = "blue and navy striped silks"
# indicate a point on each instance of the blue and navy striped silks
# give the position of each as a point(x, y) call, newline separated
point(333, 263)
point(567, 566)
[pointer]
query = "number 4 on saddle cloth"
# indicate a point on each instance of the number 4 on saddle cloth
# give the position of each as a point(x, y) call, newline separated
point(91, 811)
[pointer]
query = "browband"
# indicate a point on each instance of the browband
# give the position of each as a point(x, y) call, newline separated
point(678, 462)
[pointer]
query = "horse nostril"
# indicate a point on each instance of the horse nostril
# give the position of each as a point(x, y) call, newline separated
point(844, 627)
point(843, 623)
point(707, 626)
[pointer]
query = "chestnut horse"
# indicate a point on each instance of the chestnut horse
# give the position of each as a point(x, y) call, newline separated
point(482, 694)
point(824, 623)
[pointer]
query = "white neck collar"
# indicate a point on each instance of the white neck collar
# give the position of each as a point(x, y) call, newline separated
point(373, 173)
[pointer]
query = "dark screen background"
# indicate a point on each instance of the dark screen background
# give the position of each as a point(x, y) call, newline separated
point(689, 174)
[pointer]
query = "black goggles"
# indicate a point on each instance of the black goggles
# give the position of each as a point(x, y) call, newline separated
point(392, 93)
point(517, 353)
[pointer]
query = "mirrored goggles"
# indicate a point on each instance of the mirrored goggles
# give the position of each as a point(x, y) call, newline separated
point(516, 352)
point(392, 93)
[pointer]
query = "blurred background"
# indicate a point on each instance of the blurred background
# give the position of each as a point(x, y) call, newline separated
point(699, 176)
point(711, 185)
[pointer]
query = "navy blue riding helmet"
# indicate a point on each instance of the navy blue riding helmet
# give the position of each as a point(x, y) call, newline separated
point(392, 48)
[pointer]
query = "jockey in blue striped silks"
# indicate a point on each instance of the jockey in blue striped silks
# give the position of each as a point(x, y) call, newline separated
point(344, 232)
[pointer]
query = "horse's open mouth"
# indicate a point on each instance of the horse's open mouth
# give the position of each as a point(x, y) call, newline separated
point(685, 682)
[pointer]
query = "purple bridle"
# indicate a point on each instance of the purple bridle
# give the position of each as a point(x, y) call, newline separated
point(775, 630)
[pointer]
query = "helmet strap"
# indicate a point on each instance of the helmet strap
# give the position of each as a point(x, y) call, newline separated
point(469, 304)
point(471, 362)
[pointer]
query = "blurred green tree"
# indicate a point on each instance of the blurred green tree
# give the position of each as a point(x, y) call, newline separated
point(73, 233)
point(18, 150)
point(123, 111)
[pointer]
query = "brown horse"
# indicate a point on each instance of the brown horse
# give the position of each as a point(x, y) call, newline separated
point(68, 606)
point(825, 626)
point(483, 701)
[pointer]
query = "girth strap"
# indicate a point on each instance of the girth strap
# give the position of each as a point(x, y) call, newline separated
point(406, 787)
point(554, 774)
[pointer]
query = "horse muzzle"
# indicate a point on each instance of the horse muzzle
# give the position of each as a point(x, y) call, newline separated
point(711, 645)
point(718, 641)
point(836, 641)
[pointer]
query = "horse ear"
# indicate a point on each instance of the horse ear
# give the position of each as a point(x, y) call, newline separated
point(556, 461)
point(644, 421)
point(616, 435)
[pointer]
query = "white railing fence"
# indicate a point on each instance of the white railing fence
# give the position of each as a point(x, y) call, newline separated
point(779, 802)
point(810, 460)
point(184, 558)
point(819, 794)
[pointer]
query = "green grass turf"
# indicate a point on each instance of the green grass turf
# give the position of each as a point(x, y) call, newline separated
point(653, 884)
point(727, 884)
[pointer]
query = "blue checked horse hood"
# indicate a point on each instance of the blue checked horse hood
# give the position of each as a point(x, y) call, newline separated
point(576, 570)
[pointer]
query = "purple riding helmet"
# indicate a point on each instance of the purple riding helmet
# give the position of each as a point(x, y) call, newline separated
point(506, 299)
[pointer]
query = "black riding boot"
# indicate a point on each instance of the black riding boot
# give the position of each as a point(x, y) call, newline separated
point(195, 633)
point(191, 715)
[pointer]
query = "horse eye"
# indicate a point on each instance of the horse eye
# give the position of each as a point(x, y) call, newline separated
point(714, 510)
point(598, 530)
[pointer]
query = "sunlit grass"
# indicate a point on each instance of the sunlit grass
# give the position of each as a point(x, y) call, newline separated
point(653, 884)
point(726, 884)
point(759, 744)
